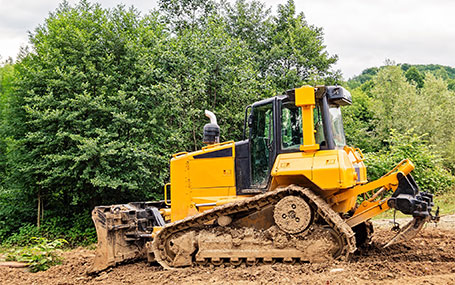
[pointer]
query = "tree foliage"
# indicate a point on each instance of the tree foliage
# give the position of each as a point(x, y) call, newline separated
point(359, 122)
point(84, 113)
point(393, 117)
point(416, 74)
point(295, 51)
point(429, 173)
point(413, 76)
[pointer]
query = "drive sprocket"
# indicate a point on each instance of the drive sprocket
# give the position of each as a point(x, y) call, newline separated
point(292, 214)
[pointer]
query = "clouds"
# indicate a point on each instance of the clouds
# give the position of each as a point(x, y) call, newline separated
point(18, 17)
point(363, 33)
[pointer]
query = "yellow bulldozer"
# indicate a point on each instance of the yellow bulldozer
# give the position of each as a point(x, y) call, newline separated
point(290, 191)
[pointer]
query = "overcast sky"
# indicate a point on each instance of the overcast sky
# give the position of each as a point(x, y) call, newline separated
point(363, 33)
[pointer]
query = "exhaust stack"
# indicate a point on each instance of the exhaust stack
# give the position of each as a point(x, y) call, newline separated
point(211, 130)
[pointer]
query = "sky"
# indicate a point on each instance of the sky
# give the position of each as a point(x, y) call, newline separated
point(363, 33)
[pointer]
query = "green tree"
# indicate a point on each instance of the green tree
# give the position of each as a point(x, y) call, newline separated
point(429, 174)
point(285, 49)
point(207, 69)
point(363, 78)
point(186, 14)
point(451, 84)
point(250, 21)
point(359, 123)
point(6, 89)
point(13, 201)
point(87, 133)
point(413, 76)
point(436, 113)
point(296, 53)
point(394, 101)
point(406, 122)
point(445, 72)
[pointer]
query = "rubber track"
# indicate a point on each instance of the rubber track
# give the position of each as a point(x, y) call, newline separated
point(256, 202)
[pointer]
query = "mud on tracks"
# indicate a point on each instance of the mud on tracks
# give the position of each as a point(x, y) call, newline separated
point(429, 259)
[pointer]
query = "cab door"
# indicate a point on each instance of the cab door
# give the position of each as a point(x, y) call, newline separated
point(262, 143)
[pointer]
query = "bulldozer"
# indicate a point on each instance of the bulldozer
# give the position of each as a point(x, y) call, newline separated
point(290, 191)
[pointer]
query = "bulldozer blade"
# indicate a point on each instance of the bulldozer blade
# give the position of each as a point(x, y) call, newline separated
point(103, 251)
point(123, 232)
point(409, 231)
point(113, 245)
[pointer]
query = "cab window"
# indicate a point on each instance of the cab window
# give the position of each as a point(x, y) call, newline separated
point(292, 130)
point(261, 139)
point(318, 127)
point(291, 126)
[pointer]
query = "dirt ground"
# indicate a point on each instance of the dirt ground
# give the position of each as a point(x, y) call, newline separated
point(427, 259)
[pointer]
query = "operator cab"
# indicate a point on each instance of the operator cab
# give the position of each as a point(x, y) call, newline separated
point(276, 126)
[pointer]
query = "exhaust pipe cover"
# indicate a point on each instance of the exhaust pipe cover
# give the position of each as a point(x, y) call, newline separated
point(211, 130)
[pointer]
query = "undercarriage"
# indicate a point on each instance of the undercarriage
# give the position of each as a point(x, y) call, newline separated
point(289, 224)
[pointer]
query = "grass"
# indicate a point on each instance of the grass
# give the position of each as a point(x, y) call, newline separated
point(445, 201)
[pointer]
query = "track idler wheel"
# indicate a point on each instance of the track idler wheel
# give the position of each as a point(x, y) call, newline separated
point(326, 246)
point(181, 248)
point(335, 240)
point(292, 214)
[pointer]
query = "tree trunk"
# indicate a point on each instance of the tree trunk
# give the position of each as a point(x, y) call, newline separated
point(38, 216)
point(42, 209)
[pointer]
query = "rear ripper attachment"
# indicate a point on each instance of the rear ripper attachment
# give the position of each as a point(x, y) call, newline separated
point(410, 201)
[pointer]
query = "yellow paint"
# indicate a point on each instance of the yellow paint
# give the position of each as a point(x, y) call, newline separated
point(156, 231)
point(212, 172)
point(180, 191)
point(296, 163)
point(166, 213)
point(328, 169)
point(389, 181)
point(366, 211)
point(201, 180)
point(304, 98)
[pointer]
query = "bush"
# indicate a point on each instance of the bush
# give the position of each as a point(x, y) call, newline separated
point(76, 230)
point(429, 173)
point(23, 237)
point(40, 256)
